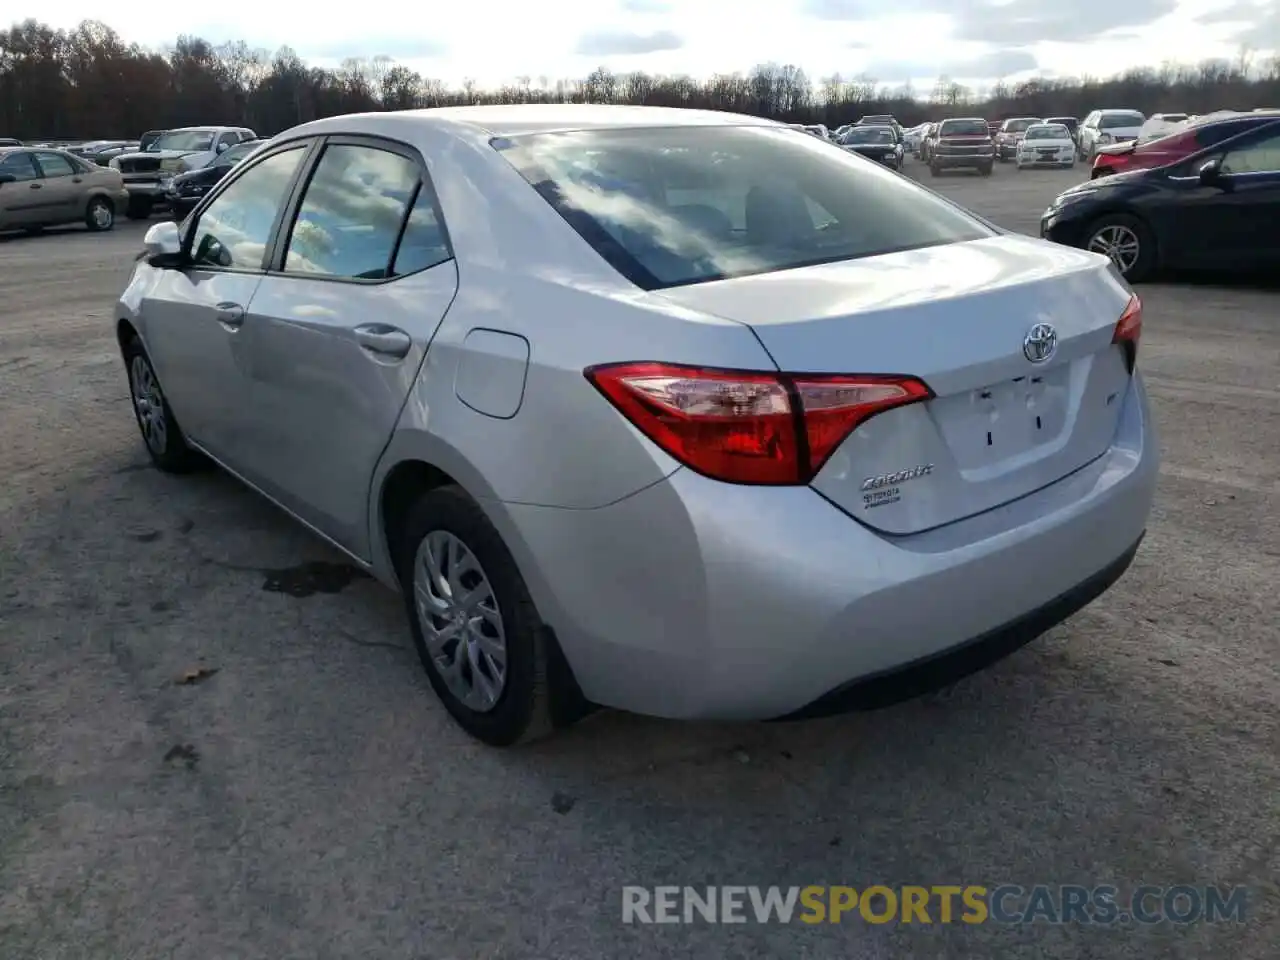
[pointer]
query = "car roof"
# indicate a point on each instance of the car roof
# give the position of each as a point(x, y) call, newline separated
point(499, 120)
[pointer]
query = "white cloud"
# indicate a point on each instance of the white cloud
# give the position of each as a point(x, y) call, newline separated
point(494, 41)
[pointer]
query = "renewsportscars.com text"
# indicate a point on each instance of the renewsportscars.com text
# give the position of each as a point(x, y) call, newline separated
point(971, 904)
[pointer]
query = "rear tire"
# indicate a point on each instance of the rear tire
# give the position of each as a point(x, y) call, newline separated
point(139, 208)
point(160, 431)
point(100, 215)
point(502, 618)
point(934, 170)
point(985, 170)
point(1112, 228)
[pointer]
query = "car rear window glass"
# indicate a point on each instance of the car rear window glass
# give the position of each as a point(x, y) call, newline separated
point(1018, 126)
point(963, 128)
point(1055, 132)
point(1111, 121)
point(424, 243)
point(56, 165)
point(679, 205)
point(870, 135)
point(351, 213)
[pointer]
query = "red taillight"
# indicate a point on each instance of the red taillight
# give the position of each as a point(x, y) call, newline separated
point(1129, 330)
point(745, 426)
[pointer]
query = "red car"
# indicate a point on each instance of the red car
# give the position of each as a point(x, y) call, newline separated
point(1122, 157)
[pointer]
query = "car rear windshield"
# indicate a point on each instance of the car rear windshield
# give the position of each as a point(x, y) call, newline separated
point(870, 135)
point(964, 128)
point(1018, 126)
point(1110, 121)
point(1054, 131)
point(670, 206)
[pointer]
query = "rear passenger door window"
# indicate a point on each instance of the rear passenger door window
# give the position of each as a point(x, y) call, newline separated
point(423, 243)
point(1261, 156)
point(352, 214)
point(55, 165)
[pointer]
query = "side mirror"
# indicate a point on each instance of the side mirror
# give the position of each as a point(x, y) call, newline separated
point(221, 147)
point(7, 178)
point(1211, 173)
point(163, 245)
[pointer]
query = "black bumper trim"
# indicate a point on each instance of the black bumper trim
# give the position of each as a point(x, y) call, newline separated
point(939, 670)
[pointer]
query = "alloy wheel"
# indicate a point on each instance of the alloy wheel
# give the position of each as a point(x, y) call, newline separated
point(1119, 243)
point(461, 623)
point(148, 402)
point(101, 215)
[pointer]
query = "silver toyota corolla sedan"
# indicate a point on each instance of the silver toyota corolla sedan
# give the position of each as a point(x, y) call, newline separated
point(677, 412)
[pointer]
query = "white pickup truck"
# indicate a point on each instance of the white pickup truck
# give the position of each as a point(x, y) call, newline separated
point(147, 174)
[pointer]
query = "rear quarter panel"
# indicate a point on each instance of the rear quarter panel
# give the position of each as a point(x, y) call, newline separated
point(523, 271)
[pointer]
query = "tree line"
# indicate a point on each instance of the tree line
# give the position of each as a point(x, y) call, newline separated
point(88, 83)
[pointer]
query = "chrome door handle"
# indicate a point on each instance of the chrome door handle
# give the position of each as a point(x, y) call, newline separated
point(380, 338)
point(36, 186)
point(229, 314)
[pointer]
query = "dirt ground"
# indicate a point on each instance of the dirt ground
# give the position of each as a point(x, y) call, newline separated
point(309, 797)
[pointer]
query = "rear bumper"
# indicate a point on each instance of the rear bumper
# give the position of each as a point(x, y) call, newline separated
point(698, 599)
point(936, 671)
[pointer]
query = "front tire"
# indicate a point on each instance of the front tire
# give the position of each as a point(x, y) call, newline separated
point(100, 215)
point(1127, 241)
point(477, 632)
point(160, 431)
point(139, 208)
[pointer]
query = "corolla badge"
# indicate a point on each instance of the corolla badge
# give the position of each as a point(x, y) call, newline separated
point(1040, 343)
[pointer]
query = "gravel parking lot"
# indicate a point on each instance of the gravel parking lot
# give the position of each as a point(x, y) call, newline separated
point(312, 799)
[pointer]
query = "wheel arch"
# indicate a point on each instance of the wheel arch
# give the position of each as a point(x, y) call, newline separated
point(125, 332)
point(413, 463)
point(416, 462)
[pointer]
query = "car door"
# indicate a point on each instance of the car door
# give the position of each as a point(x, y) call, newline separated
point(1250, 200)
point(64, 190)
point(22, 199)
point(194, 317)
point(361, 280)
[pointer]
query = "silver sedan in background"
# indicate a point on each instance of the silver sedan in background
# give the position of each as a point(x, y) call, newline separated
point(673, 411)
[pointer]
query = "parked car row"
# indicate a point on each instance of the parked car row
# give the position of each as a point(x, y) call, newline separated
point(45, 187)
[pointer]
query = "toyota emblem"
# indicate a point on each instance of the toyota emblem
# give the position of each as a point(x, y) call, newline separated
point(1040, 343)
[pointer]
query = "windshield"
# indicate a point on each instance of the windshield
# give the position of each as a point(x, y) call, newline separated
point(233, 155)
point(1111, 121)
point(1019, 126)
point(183, 141)
point(1048, 132)
point(963, 128)
point(670, 206)
point(870, 135)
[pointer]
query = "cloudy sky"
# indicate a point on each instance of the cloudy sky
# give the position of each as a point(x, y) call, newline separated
point(495, 41)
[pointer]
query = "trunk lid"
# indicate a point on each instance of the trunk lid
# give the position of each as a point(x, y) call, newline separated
point(999, 426)
point(1112, 149)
